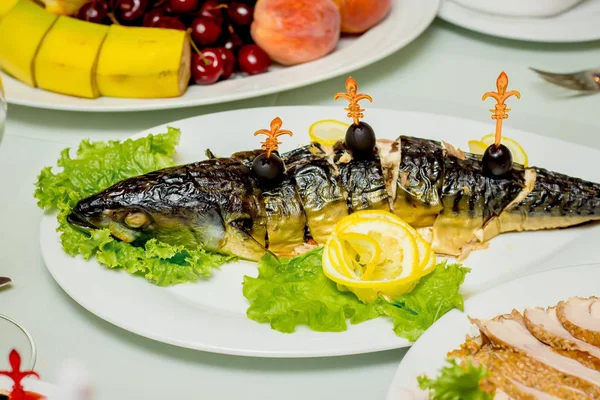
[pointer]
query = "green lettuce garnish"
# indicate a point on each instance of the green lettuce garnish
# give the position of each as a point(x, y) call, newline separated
point(292, 292)
point(456, 382)
point(97, 166)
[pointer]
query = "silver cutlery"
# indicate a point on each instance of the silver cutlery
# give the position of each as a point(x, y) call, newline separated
point(4, 281)
point(582, 81)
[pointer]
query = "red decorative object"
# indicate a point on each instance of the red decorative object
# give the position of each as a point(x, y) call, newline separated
point(17, 376)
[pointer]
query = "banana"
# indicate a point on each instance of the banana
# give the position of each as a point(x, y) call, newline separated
point(66, 61)
point(144, 63)
point(22, 30)
point(63, 7)
point(6, 5)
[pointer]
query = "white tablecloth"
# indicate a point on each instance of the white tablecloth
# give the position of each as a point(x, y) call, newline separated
point(445, 71)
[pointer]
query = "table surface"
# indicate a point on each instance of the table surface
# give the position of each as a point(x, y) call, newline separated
point(444, 71)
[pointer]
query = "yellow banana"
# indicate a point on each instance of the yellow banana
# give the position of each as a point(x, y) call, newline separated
point(66, 61)
point(63, 7)
point(144, 63)
point(6, 5)
point(22, 30)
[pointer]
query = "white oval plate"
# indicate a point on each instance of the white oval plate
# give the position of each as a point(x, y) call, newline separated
point(543, 289)
point(579, 24)
point(211, 314)
point(407, 20)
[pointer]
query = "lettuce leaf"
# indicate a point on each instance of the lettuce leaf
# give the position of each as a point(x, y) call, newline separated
point(436, 294)
point(456, 382)
point(98, 165)
point(292, 292)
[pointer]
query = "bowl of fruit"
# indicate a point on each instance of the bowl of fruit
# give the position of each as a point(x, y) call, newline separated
point(146, 54)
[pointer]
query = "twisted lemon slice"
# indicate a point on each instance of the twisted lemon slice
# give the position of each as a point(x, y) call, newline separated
point(375, 252)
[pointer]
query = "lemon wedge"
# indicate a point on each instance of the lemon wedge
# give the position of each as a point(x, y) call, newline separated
point(375, 252)
point(518, 153)
point(328, 131)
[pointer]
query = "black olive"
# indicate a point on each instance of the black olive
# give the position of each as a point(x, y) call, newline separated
point(360, 140)
point(497, 161)
point(269, 171)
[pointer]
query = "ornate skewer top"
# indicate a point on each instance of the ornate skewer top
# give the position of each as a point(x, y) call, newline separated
point(500, 111)
point(272, 143)
point(354, 110)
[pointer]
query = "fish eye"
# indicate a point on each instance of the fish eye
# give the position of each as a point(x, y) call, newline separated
point(136, 219)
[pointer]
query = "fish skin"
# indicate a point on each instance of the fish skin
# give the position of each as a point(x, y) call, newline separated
point(214, 204)
point(362, 181)
point(217, 203)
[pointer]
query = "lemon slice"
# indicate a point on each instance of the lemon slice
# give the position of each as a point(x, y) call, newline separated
point(477, 147)
point(328, 131)
point(375, 252)
point(518, 153)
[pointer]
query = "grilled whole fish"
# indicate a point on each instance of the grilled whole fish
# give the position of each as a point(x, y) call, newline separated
point(217, 203)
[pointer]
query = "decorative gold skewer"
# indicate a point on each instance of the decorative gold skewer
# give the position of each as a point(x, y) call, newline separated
point(271, 143)
point(354, 110)
point(500, 111)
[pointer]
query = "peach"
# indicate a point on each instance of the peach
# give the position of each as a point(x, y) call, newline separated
point(295, 32)
point(358, 16)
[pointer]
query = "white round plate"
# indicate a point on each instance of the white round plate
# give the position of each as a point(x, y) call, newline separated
point(542, 289)
point(211, 314)
point(30, 385)
point(407, 20)
point(579, 24)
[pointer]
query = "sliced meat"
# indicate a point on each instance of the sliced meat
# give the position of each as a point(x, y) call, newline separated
point(519, 375)
point(509, 331)
point(546, 327)
point(536, 394)
point(581, 317)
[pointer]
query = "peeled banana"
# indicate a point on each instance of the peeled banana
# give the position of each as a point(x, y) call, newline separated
point(6, 5)
point(144, 62)
point(22, 30)
point(66, 61)
point(65, 55)
point(63, 7)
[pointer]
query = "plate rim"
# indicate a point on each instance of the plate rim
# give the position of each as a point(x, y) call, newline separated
point(448, 8)
point(431, 6)
point(474, 299)
point(49, 218)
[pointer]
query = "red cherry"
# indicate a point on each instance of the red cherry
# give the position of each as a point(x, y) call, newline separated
point(253, 60)
point(129, 11)
point(228, 62)
point(209, 9)
point(184, 6)
point(233, 42)
point(153, 16)
point(240, 13)
point(205, 31)
point(94, 11)
point(170, 23)
point(207, 68)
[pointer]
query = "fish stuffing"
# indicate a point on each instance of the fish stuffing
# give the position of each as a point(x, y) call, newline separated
point(218, 204)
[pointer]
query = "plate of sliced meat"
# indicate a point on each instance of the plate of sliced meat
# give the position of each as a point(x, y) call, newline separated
point(537, 337)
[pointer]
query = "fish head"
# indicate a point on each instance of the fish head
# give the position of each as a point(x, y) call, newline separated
point(165, 206)
point(114, 210)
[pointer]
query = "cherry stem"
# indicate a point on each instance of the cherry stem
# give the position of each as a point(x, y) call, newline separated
point(159, 3)
point(220, 6)
point(231, 29)
point(206, 61)
point(113, 19)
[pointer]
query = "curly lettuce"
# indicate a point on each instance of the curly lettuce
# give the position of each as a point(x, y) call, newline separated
point(456, 382)
point(98, 165)
point(288, 293)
